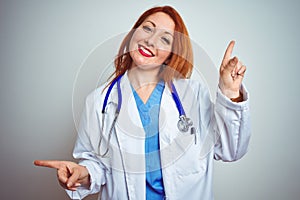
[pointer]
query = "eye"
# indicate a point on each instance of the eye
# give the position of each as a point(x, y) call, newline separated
point(147, 29)
point(166, 40)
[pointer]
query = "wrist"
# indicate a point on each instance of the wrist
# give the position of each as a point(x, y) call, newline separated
point(231, 94)
point(86, 179)
point(234, 96)
point(240, 98)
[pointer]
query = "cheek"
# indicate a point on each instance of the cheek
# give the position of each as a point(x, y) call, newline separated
point(164, 54)
point(131, 44)
point(138, 35)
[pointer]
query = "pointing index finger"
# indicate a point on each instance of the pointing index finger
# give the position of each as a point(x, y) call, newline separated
point(228, 52)
point(48, 163)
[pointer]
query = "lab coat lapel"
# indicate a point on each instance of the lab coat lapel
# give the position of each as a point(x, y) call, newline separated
point(131, 136)
point(168, 117)
point(173, 143)
point(129, 123)
point(167, 132)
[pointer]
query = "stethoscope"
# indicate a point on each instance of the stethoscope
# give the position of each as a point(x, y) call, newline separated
point(184, 123)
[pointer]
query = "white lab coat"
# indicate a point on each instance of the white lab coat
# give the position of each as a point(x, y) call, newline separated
point(222, 133)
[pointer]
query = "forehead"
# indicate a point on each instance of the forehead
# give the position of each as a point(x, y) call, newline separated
point(161, 21)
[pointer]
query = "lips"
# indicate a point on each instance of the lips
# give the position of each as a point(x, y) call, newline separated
point(145, 51)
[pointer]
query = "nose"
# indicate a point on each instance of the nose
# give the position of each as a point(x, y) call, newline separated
point(151, 40)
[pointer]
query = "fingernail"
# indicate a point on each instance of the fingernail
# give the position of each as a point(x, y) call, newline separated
point(77, 184)
point(69, 184)
point(235, 60)
point(233, 73)
point(240, 72)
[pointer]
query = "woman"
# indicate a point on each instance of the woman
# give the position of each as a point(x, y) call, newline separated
point(132, 149)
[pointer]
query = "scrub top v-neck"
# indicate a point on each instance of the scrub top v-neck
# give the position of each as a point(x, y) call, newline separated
point(149, 115)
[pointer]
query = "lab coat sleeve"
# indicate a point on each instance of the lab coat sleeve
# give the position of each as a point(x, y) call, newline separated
point(232, 127)
point(89, 132)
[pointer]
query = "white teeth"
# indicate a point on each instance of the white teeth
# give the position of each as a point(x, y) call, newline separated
point(146, 51)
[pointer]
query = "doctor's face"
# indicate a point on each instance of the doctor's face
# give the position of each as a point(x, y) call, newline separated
point(152, 41)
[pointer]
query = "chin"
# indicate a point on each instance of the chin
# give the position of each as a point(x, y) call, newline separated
point(148, 67)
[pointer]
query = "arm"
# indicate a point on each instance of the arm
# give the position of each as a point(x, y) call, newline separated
point(89, 132)
point(88, 175)
point(231, 113)
point(233, 127)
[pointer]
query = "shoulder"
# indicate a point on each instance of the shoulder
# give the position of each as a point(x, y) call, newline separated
point(195, 85)
point(198, 88)
point(97, 95)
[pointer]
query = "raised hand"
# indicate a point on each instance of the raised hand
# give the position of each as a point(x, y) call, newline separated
point(69, 174)
point(231, 74)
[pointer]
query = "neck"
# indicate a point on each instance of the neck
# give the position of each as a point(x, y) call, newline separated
point(140, 78)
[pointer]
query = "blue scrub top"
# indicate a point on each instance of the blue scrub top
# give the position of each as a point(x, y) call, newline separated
point(149, 114)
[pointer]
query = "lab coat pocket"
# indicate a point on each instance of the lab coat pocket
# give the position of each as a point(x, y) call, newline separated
point(190, 161)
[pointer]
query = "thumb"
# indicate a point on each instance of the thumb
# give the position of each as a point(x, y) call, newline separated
point(75, 175)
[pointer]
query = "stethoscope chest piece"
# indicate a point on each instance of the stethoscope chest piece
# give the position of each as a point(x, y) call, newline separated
point(184, 123)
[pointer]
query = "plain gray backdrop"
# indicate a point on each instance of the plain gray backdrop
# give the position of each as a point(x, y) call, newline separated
point(44, 43)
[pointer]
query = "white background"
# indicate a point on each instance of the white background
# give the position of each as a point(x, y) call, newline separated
point(44, 43)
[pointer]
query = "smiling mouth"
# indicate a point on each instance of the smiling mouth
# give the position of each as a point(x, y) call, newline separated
point(145, 51)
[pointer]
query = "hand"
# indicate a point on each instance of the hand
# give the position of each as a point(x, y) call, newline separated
point(69, 174)
point(231, 74)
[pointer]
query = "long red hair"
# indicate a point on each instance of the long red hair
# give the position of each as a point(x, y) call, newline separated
point(180, 62)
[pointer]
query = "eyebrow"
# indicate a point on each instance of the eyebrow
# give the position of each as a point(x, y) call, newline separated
point(155, 26)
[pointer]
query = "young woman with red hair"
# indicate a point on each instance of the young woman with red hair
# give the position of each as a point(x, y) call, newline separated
point(136, 147)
